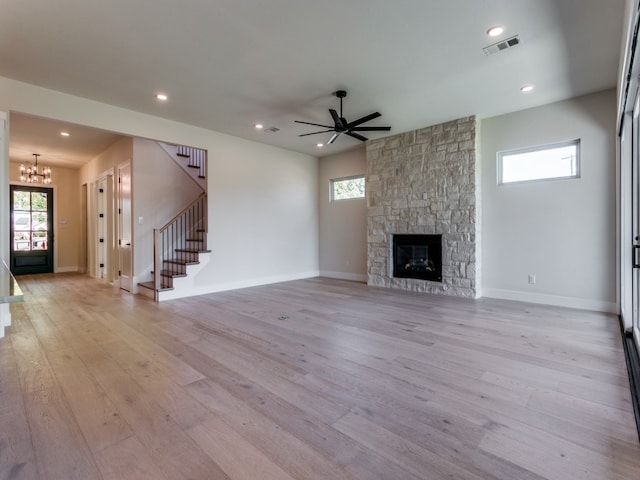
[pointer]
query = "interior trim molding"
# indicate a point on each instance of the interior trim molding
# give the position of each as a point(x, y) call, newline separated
point(632, 357)
point(555, 300)
point(226, 286)
point(355, 277)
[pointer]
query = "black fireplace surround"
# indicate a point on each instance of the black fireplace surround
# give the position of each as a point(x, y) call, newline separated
point(417, 256)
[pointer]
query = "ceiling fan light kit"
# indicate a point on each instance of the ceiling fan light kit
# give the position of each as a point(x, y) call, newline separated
point(341, 126)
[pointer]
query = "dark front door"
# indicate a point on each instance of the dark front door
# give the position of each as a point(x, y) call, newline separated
point(31, 230)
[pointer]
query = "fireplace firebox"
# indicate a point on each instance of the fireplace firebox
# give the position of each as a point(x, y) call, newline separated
point(418, 256)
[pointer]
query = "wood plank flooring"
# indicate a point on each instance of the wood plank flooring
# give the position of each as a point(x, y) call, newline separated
point(312, 379)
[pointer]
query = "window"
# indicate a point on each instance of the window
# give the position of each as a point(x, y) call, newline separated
point(29, 220)
point(558, 161)
point(347, 187)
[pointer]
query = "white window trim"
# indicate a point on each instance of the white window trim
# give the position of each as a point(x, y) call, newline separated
point(539, 148)
point(341, 179)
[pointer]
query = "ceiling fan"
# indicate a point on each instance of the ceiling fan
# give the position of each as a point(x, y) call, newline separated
point(342, 126)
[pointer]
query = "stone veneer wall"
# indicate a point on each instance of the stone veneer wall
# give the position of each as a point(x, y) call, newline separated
point(424, 182)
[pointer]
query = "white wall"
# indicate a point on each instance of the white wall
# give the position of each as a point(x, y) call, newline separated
point(343, 224)
point(263, 201)
point(561, 231)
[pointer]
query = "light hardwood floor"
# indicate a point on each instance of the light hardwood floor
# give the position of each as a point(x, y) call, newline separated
point(312, 379)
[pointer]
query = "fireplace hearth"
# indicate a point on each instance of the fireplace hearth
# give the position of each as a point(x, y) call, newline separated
point(417, 256)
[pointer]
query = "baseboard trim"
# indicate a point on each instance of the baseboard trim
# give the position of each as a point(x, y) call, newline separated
point(632, 357)
point(355, 277)
point(224, 287)
point(555, 300)
point(66, 269)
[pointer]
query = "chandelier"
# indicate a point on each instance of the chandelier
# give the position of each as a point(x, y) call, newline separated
point(31, 174)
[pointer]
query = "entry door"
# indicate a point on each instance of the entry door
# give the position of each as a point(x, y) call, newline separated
point(124, 226)
point(31, 230)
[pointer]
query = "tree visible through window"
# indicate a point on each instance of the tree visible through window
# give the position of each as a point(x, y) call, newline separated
point(29, 221)
point(347, 187)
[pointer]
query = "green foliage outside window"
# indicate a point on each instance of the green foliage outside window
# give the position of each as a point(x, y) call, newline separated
point(346, 188)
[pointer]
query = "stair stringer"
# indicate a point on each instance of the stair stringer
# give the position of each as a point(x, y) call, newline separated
point(185, 286)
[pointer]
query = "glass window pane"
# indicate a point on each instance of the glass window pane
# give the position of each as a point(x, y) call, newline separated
point(39, 202)
point(39, 221)
point(21, 200)
point(542, 163)
point(39, 241)
point(21, 221)
point(346, 188)
point(20, 241)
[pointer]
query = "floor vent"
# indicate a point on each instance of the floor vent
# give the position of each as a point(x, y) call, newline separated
point(502, 45)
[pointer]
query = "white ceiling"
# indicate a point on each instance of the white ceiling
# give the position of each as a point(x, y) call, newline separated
point(227, 64)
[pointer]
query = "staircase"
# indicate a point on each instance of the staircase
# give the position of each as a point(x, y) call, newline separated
point(177, 247)
point(195, 157)
point(192, 160)
point(180, 246)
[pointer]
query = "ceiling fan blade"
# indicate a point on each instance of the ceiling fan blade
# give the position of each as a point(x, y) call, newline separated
point(355, 135)
point(315, 133)
point(336, 118)
point(370, 129)
point(333, 139)
point(364, 119)
point(314, 124)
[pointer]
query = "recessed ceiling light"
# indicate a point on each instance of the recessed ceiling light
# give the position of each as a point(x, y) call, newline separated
point(259, 126)
point(162, 97)
point(495, 31)
point(64, 134)
point(526, 88)
point(320, 145)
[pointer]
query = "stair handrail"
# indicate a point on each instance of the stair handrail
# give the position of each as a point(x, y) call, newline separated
point(184, 220)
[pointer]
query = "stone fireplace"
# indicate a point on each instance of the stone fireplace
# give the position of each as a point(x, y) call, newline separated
point(424, 183)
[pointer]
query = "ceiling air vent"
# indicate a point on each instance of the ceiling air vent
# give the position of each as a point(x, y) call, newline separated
point(502, 45)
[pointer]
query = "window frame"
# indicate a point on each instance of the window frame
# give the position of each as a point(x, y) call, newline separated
point(333, 181)
point(517, 151)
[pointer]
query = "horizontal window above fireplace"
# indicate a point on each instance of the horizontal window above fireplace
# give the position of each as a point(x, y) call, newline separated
point(549, 162)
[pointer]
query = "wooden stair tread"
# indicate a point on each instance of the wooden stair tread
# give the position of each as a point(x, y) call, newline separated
point(178, 261)
point(151, 286)
point(170, 274)
point(189, 250)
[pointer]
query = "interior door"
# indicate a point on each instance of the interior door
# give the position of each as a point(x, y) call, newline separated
point(31, 230)
point(124, 226)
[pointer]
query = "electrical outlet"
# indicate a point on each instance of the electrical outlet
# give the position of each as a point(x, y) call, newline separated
point(532, 279)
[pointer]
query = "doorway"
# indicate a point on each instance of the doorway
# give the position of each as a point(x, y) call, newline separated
point(31, 230)
point(125, 259)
